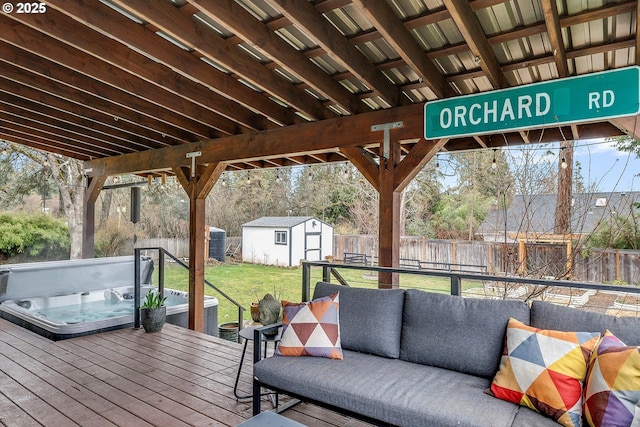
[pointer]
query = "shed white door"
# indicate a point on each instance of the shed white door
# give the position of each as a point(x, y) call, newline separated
point(313, 246)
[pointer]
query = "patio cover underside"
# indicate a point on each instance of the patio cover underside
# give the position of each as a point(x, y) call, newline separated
point(134, 86)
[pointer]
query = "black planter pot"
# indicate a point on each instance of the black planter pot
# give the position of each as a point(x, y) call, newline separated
point(152, 319)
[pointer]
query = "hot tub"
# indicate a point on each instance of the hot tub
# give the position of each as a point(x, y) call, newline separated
point(67, 316)
point(66, 299)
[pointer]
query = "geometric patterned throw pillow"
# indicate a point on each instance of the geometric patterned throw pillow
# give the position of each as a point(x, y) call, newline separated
point(311, 328)
point(612, 387)
point(544, 370)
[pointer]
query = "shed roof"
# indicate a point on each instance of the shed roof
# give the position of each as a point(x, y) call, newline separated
point(536, 213)
point(278, 221)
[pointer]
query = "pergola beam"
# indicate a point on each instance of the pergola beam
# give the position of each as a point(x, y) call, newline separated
point(469, 25)
point(552, 20)
point(114, 25)
point(316, 137)
point(165, 17)
point(305, 16)
point(261, 36)
point(397, 35)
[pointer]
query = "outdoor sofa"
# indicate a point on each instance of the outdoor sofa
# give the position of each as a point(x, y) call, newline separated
point(414, 358)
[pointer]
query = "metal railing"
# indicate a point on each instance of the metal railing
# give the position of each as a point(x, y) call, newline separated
point(364, 259)
point(456, 278)
point(161, 253)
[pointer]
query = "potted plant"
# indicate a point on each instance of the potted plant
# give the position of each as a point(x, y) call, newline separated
point(153, 312)
point(255, 315)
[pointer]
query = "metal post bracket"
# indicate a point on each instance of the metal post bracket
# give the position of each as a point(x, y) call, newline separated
point(386, 127)
point(192, 155)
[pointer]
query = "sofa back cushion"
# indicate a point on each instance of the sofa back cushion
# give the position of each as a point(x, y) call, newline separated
point(370, 319)
point(461, 334)
point(545, 315)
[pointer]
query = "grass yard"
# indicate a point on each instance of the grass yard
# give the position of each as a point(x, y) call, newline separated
point(247, 283)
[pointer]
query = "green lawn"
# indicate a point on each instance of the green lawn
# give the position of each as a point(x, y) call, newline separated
point(247, 283)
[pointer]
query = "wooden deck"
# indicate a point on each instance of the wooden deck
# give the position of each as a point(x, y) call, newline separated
point(176, 377)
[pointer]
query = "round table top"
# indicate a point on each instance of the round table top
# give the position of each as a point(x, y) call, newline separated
point(247, 334)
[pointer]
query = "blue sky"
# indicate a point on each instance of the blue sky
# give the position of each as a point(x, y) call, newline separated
point(606, 167)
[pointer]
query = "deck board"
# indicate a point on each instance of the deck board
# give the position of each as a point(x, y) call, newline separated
point(176, 377)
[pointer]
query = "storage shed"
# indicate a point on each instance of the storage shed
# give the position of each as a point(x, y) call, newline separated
point(284, 241)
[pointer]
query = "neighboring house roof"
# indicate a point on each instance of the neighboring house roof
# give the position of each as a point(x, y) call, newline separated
point(536, 213)
point(278, 221)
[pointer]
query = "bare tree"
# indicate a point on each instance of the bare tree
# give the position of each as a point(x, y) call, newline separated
point(67, 175)
point(565, 186)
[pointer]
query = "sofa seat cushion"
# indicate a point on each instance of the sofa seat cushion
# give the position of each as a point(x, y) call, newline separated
point(390, 390)
point(370, 319)
point(528, 418)
point(461, 334)
point(545, 315)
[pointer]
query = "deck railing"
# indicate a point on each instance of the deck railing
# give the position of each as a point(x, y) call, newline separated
point(161, 254)
point(456, 279)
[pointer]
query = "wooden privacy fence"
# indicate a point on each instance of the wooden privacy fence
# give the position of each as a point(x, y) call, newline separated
point(177, 247)
point(180, 247)
point(539, 259)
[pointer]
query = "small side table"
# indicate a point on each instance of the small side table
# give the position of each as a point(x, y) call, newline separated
point(247, 334)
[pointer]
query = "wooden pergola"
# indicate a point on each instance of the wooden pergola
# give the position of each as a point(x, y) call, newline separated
point(194, 88)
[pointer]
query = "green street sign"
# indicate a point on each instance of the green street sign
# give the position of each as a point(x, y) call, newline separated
point(596, 96)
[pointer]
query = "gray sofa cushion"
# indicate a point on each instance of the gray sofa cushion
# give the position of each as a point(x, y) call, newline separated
point(545, 315)
point(528, 418)
point(451, 332)
point(370, 319)
point(390, 390)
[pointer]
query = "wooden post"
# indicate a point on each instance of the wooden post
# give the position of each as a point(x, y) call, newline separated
point(390, 175)
point(196, 261)
point(91, 192)
point(207, 239)
point(490, 265)
point(389, 230)
point(197, 182)
point(522, 257)
point(569, 258)
point(454, 253)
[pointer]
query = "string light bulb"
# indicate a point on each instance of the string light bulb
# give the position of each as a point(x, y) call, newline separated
point(563, 163)
point(494, 165)
point(248, 177)
point(278, 177)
